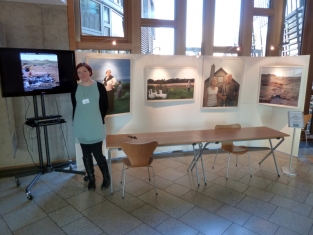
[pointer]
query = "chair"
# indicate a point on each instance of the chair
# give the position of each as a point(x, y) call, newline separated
point(231, 148)
point(306, 119)
point(138, 155)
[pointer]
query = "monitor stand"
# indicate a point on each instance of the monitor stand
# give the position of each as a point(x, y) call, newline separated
point(49, 168)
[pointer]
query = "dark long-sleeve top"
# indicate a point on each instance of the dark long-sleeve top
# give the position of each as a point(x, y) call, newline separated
point(103, 100)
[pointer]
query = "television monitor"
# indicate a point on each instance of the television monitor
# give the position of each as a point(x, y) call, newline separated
point(29, 72)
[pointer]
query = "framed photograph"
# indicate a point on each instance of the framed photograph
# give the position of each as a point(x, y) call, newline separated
point(115, 75)
point(280, 85)
point(221, 83)
point(164, 84)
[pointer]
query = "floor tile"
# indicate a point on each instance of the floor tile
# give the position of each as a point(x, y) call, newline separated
point(223, 194)
point(177, 190)
point(111, 219)
point(50, 202)
point(70, 188)
point(261, 226)
point(291, 220)
point(235, 229)
point(205, 221)
point(171, 174)
point(202, 201)
point(256, 207)
point(288, 191)
point(41, 227)
point(150, 215)
point(167, 203)
point(255, 181)
point(284, 231)
point(284, 202)
point(231, 184)
point(137, 187)
point(65, 215)
point(24, 216)
point(259, 194)
point(82, 226)
point(175, 227)
point(144, 230)
point(233, 214)
point(85, 200)
point(4, 228)
point(129, 203)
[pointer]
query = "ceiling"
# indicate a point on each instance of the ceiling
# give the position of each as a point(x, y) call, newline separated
point(51, 2)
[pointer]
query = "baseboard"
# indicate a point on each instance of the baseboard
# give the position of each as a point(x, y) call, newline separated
point(23, 169)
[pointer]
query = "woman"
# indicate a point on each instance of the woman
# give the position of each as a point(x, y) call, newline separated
point(90, 105)
point(211, 93)
point(109, 83)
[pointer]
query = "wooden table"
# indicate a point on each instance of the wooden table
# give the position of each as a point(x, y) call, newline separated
point(113, 142)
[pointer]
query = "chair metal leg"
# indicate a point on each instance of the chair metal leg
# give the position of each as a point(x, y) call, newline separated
point(124, 181)
point(306, 138)
point(227, 165)
point(215, 158)
point(149, 172)
point(236, 160)
point(156, 193)
point(122, 174)
point(249, 165)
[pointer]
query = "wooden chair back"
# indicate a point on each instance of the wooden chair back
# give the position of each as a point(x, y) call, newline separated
point(139, 154)
point(306, 119)
point(238, 126)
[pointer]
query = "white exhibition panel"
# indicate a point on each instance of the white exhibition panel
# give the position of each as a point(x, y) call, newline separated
point(189, 115)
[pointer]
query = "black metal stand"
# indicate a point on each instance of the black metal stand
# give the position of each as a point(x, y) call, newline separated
point(49, 168)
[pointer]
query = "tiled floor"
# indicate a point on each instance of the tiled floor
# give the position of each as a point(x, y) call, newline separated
point(261, 204)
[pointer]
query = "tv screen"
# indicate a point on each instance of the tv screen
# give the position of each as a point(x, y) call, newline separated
point(28, 72)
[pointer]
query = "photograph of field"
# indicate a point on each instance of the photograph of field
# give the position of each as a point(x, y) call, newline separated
point(280, 85)
point(39, 71)
point(121, 71)
point(169, 84)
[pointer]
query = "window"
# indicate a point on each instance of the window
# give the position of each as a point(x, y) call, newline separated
point(157, 9)
point(157, 40)
point(227, 20)
point(262, 3)
point(194, 27)
point(259, 36)
point(102, 18)
point(293, 28)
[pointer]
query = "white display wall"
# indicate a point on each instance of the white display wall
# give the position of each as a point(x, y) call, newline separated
point(189, 115)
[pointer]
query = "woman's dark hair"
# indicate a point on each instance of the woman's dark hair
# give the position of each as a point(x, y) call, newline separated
point(83, 65)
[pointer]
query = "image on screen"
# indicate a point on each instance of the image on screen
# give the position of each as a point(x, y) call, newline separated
point(40, 71)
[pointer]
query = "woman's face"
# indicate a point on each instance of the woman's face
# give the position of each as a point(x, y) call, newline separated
point(214, 82)
point(108, 73)
point(83, 74)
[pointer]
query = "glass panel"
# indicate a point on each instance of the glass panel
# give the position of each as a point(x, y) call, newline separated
point(117, 25)
point(102, 18)
point(194, 27)
point(106, 15)
point(293, 28)
point(262, 3)
point(105, 51)
point(157, 41)
point(227, 20)
point(259, 36)
point(90, 14)
point(158, 9)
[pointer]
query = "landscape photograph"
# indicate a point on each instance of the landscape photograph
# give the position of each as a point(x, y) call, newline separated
point(39, 71)
point(280, 85)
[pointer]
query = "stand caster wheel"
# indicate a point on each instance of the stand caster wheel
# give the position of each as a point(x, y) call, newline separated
point(85, 177)
point(17, 181)
point(29, 196)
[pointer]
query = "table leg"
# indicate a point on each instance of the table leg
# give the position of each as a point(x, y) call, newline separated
point(272, 152)
point(110, 170)
point(195, 162)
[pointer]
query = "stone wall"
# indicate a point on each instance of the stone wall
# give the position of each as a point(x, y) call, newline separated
point(28, 25)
